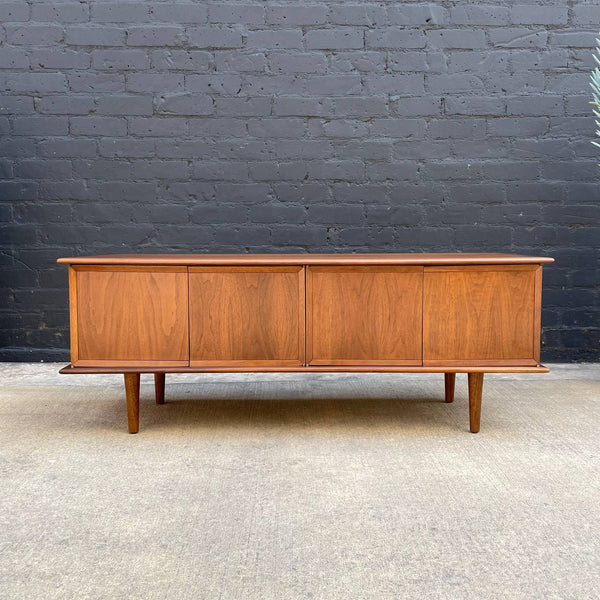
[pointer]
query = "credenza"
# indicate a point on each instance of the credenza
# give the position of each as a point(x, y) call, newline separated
point(179, 313)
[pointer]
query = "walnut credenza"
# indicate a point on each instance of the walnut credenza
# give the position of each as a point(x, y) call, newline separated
point(435, 313)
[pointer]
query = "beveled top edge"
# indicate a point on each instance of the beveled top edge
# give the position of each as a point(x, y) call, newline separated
point(308, 259)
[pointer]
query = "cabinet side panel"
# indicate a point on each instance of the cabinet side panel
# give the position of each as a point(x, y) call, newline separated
point(131, 316)
point(73, 315)
point(537, 315)
point(477, 315)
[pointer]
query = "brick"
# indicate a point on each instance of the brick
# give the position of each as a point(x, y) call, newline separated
point(585, 14)
point(124, 105)
point(34, 34)
point(93, 125)
point(573, 39)
point(358, 14)
point(214, 37)
point(11, 12)
point(518, 37)
point(279, 38)
point(422, 14)
point(225, 170)
point(16, 105)
point(455, 83)
point(470, 129)
point(121, 12)
point(456, 38)
point(398, 128)
point(185, 104)
point(86, 82)
point(184, 12)
point(94, 35)
point(62, 12)
point(43, 169)
point(276, 127)
point(310, 14)
point(243, 107)
point(33, 82)
point(338, 128)
point(532, 14)
point(154, 82)
point(120, 60)
point(228, 84)
point(331, 85)
point(65, 105)
point(59, 59)
point(301, 107)
point(180, 60)
point(241, 63)
point(155, 36)
point(304, 62)
point(480, 15)
point(362, 107)
point(403, 85)
point(13, 58)
point(369, 61)
point(246, 14)
point(67, 148)
point(392, 37)
point(157, 126)
point(535, 105)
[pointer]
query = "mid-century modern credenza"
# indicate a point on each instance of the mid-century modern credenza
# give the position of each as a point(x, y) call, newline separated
point(179, 313)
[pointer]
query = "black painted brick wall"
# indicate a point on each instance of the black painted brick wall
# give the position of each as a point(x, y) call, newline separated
point(295, 126)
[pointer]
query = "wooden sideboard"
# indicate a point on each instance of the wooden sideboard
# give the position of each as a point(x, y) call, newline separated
point(435, 313)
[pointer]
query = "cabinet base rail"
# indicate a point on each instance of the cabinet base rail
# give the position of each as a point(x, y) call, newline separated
point(132, 382)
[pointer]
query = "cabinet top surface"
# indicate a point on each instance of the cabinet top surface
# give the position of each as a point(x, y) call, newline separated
point(308, 259)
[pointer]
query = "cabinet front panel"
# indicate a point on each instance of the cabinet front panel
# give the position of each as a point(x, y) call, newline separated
point(480, 315)
point(132, 316)
point(246, 316)
point(364, 315)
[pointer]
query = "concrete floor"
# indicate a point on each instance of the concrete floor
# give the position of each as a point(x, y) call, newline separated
point(299, 486)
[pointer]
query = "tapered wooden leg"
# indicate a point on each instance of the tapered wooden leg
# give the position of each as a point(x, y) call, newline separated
point(449, 380)
point(475, 390)
point(132, 392)
point(159, 387)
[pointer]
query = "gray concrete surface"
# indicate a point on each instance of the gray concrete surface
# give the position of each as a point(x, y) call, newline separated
point(256, 486)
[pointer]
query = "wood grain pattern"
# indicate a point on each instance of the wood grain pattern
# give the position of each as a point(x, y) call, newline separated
point(130, 317)
point(77, 370)
point(364, 315)
point(246, 316)
point(479, 316)
point(364, 258)
point(132, 396)
point(449, 383)
point(74, 334)
point(475, 393)
point(537, 315)
point(159, 388)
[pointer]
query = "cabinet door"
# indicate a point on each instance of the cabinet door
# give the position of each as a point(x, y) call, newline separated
point(481, 315)
point(129, 316)
point(364, 315)
point(245, 316)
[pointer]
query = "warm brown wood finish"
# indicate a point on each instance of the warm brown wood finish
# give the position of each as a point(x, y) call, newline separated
point(364, 315)
point(454, 258)
point(132, 316)
point(159, 387)
point(188, 313)
point(132, 395)
point(449, 382)
point(479, 315)
point(475, 392)
point(246, 315)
